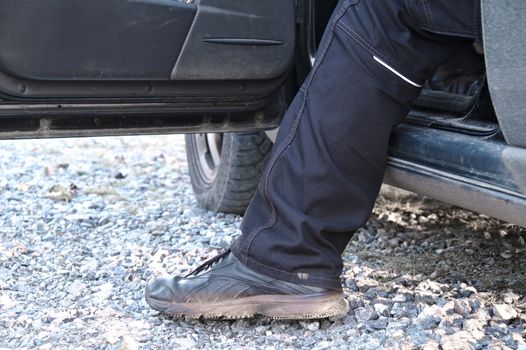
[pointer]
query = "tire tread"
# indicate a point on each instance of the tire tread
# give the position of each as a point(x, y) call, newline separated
point(243, 160)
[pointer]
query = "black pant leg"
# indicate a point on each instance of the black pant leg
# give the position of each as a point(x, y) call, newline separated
point(329, 159)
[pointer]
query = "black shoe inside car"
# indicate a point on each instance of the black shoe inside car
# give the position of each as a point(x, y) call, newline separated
point(224, 288)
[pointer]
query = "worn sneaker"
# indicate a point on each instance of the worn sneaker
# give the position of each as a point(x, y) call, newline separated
point(224, 288)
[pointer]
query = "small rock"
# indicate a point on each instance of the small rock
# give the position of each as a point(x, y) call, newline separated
point(365, 284)
point(462, 307)
point(430, 317)
point(77, 288)
point(105, 291)
point(377, 324)
point(432, 216)
point(504, 312)
point(355, 302)
point(381, 309)
point(120, 176)
point(6, 302)
point(404, 310)
point(432, 286)
point(365, 314)
point(466, 292)
point(427, 297)
point(311, 326)
point(363, 236)
point(185, 343)
point(481, 314)
point(497, 329)
point(351, 284)
point(394, 242)
point(510, 297)
point(128, 343)
point(88, 266)
point(324, 344)
point(458, 341)
point(428, 322)
point(432, 345)
point(395, 333)
point(521, 343)
point(399, 324)
point(473, 325)
point(261, 329)
point(405, 345)
point(399, 298)
point(353, 333)
point(61, 193)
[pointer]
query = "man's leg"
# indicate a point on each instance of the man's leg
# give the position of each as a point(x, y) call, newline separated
point(328, 162)
point(329, 159)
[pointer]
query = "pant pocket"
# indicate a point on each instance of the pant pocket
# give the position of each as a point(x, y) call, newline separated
point(447, 17)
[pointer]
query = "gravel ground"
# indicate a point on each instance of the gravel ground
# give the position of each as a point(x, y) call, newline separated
point(85, 223)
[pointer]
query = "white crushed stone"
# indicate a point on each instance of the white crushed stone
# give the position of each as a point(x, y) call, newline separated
point(85, 223)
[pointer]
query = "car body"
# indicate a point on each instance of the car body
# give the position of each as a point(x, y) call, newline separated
point(213, 67)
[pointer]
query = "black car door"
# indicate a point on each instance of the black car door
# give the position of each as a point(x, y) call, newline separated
point(105, 64)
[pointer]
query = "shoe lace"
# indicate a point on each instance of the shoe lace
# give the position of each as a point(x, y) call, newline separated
point(208, 264)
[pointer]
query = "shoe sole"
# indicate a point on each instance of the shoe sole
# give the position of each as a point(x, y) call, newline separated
point(303, 307)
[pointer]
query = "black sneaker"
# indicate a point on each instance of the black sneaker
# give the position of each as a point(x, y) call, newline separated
point(224, 288)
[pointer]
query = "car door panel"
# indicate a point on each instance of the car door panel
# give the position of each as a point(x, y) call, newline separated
point(92, 40)
point(206, 49)
point(237, 39)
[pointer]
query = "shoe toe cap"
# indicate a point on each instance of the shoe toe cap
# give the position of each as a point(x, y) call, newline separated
point(161, 289)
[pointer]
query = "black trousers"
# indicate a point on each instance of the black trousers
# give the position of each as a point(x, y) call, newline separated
point(328, 162)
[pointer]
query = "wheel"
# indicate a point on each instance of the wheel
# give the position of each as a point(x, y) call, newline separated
point(225, 168)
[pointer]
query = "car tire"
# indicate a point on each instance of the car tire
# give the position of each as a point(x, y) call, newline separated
point(225, 169)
